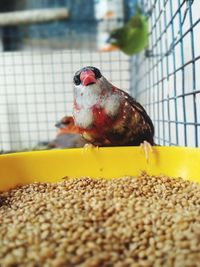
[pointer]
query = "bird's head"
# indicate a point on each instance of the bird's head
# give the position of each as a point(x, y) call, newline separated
point(87, 76)
point(115, 37)
point(89, 84)
point(67, 121)
point(94, 98)
point(66, 125)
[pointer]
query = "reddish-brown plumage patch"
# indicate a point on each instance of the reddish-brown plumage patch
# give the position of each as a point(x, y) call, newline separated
point(101, 119)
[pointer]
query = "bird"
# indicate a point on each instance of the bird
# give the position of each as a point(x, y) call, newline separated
point(131, 38)
point(108, 116)
point(66, 125)
point(68, 135)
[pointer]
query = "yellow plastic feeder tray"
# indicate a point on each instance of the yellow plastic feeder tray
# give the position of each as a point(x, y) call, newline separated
point(53, 165)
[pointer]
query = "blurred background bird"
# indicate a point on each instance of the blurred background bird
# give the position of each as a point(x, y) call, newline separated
point(68, 135)
point(108, 116)
point(131, 38)
point(66, 125)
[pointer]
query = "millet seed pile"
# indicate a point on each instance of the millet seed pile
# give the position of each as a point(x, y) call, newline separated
point(144, 221)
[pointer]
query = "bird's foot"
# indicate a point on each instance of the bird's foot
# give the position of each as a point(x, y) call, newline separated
point(108, 15)
point(145, 148)
point(89, 146)
point(109, 48)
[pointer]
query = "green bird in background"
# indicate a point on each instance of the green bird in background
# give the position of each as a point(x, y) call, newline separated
point(132, 37)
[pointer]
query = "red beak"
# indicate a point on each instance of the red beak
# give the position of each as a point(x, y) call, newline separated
point(87, 77)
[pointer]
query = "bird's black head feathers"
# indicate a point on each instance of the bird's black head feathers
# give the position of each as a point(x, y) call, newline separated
point(96, 71)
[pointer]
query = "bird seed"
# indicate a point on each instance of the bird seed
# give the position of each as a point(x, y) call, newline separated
point(131, 221)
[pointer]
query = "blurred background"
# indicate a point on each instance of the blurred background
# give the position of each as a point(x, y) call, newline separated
point(42, 44)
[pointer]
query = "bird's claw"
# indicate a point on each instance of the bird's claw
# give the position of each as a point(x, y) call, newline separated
point(109, 48)
point(89, 146)
point(145, 147)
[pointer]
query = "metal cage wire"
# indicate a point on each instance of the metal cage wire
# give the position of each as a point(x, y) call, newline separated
point(36, 75)
point(38, 62)
point(166, 79)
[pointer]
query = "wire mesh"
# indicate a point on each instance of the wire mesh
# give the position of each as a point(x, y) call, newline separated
point(165, 78)
point(36, 75)
point(37, 63)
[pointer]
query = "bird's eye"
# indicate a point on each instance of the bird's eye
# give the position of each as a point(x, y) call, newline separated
point(97, 73)
point(77, 80)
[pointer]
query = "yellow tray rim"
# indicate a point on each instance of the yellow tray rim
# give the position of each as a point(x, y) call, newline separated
point(106, 162)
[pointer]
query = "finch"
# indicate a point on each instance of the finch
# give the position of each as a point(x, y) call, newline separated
point(106, 115)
